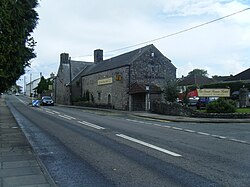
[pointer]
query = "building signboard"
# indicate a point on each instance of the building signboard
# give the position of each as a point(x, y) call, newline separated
point(104, 81)
point(213, 92)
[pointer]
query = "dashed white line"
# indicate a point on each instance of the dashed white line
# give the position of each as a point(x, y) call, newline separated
point(192, 131)
point(155, 124)
point(177, 128)
point(91, 125)
point(55, 112)
point(148, 145)
point(236, 140)
point(69, 116)
point(203, 133)
point(65, 117)
point(218, 136)
point(49, 112)
point(188, 130)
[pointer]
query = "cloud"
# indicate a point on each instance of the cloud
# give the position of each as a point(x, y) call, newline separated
point(80, 27)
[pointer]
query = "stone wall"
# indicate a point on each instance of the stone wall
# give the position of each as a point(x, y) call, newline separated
point(152, 67)
point(117, 90)
point(176, 109)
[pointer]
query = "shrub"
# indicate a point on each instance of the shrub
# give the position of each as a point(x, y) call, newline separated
point(221, 106)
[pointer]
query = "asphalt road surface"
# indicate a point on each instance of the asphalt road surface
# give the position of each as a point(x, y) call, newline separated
point(96, 148)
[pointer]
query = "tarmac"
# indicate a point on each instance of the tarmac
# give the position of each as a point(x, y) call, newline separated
point(19, 164)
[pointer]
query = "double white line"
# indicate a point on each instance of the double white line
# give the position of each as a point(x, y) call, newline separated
point(91, 125)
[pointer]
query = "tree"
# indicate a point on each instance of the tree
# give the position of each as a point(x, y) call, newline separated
point(170, 91)
point(43, 85)
point(200, 72)
point(18, 19)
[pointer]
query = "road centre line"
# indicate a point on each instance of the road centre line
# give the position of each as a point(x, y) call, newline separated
point(203, 133)
point(65, 117)
point(91, 125)
point(191, 131)
point(148, 145)
point(236, 140)
point(188, 130)
point(218, 136)
point(69, 116)
point(49, 112)
point(55, 112)
point(177, 128)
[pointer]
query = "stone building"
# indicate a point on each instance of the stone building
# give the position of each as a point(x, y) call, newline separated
point(67, 73)
point(130, 81)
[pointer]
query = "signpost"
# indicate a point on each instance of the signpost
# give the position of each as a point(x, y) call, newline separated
point(213, 92)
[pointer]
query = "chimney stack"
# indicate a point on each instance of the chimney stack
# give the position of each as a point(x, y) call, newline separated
point(64, 58)
point(98, 55)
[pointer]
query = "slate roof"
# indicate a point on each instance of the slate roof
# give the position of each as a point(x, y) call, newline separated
point(192, 80)
point(77, 67)
point(244, 75)
point(119, 61)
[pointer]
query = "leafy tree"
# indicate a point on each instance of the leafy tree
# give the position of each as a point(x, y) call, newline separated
point(200, 72)
point(43, 85)
point(18, 19)
point(170, 91)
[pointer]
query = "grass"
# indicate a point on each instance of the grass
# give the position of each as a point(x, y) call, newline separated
point(243, 110)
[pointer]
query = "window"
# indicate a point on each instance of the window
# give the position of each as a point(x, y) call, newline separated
point(99, 96)
point(109, 99)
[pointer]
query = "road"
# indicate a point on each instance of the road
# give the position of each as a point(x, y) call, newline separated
point(97, 148)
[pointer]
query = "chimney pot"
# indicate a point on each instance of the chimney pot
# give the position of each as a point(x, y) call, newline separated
point(98, 55)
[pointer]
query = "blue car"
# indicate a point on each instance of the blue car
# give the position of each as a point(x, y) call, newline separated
point(203, 101)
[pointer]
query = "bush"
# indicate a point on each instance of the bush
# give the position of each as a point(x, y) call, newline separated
point(221, 106)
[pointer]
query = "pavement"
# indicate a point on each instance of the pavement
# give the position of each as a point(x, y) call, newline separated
point(19, 165)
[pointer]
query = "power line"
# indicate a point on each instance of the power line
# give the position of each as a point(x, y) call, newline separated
point(175, 33)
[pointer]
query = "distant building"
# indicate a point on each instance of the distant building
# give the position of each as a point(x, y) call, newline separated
point(30, 87)
point(129, 81)
point(242, 76)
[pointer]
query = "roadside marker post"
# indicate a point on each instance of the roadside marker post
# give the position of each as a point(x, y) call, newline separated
point(35, 103)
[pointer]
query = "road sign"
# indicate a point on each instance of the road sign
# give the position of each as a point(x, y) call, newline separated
point(35, 102)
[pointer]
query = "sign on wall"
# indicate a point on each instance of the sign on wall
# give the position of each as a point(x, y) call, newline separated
point(105, 81)
point(213, 92)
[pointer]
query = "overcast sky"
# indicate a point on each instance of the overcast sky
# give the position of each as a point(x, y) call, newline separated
point(80, 26)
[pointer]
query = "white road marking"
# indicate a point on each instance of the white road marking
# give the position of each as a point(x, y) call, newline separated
point(148, 145)
point(192, 131)
point(49, 112)
point(218, 136)
point(177, 128)
point(69, 116)
point(236, 140)
point(155, 124)
point(188, 130)
point(91, 125)
point(55, 112)
point(65, 117)
point(24, 102)
point(203, 133)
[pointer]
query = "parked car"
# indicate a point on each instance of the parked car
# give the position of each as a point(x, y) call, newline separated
point(47, 100)
point(192, 101)
point(203, 101)
point(17, 94)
